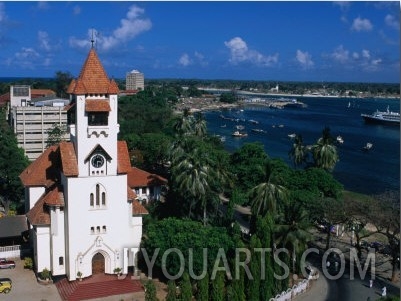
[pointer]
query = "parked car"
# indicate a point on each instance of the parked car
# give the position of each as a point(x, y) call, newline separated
point(5, 285)
point(6, 264)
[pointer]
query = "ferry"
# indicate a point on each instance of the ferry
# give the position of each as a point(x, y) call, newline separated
point(380, 117)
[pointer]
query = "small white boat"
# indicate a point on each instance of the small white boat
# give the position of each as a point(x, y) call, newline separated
point(239, 127)
point(292, 135)
point(239, 134)
point(368, 146)
point(340, 139)
point(258, 130)
point(253, 121)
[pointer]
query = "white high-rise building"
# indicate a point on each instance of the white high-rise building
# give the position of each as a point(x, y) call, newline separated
point(83, 217)
point(134, 80)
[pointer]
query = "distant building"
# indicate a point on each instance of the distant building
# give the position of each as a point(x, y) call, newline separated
point(32, 113)
point(134, 80)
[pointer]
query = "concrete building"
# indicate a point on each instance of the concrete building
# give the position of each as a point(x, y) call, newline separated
point(84, 219)
point(134, 81)
point(31, 118)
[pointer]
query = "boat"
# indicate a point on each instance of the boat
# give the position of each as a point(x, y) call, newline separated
point(239, 127)
point(239, 134)
point(340, 139)
point(258, 130)
point(368, 146)
point(253, 121)
point(292, 135)
point(382, 117)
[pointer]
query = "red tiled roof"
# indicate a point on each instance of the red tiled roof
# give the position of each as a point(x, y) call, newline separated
point(123, 163)
point(41, 92)
point(38, 215)
point(140, 178)
point(69, 160)
point(138, 209)
point(54, 197)
point(44, 171)
point(4, 99)
point(93, 78)
point(131, 194)
point(97, 105)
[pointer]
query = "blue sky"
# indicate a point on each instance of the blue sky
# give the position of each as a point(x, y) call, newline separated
point(241, 40)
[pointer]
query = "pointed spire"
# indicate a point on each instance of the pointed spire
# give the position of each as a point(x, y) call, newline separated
point(93, 78)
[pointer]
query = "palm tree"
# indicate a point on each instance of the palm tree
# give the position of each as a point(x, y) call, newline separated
point(298, 152)
point(267, 194)
point(324, 151)
point(192, 175)
point(199, 125)
point(292, 231)
point(183, 124)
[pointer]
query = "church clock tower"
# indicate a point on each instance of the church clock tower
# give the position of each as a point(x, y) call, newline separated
point(94, 112)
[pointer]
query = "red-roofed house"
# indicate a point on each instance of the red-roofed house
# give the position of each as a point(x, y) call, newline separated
point(147, 186)
point(82, 213)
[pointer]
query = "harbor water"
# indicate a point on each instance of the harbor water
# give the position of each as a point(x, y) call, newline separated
point(369, 172)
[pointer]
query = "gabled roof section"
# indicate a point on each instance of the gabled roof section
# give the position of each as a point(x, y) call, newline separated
point(124, 163)
point(69, 160)
point(38, 215)
point(141, 178)
point(54, 197)
point(44, 171)
point(97, 105)
point(98, 149)
point(138, 209)
point(93, 78)
point(131, 195)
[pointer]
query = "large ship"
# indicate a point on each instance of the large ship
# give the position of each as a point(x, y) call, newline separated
point(382, 117)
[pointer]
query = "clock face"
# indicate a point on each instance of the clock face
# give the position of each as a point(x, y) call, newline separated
point(97, 161)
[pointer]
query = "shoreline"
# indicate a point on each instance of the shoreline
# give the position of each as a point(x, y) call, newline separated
point(201, 104)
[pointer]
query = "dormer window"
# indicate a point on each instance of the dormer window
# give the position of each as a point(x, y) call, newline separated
point(98, 111)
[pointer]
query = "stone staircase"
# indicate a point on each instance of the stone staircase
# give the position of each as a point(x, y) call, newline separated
point(97, 286)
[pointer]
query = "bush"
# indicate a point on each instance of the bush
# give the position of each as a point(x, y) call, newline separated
point(28, 263)
point(45, 274)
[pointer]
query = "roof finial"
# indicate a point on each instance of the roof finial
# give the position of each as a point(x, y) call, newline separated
point(92, 40)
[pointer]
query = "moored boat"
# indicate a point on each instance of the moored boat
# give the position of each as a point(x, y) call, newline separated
point(239, 134)
point(382, 117)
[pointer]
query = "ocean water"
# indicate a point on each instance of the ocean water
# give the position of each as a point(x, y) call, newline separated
point(369, 172)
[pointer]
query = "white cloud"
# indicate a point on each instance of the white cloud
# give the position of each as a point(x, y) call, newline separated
point(198, 58)
point(392, 22)
point(27, 53)
point(340, 54)
point(44, 40)
point(184, 60)
point(355, 55)
point(344, 5)
point(130, 27)
point(241, 53)
point(365, 54)
point(360, 24)
point(304, 59)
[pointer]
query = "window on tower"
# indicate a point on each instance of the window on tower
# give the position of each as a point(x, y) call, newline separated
point(98, 118)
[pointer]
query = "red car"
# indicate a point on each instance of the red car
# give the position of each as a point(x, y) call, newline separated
point(6, 264)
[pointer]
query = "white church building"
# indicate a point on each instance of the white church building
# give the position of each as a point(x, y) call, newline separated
point(84, 219)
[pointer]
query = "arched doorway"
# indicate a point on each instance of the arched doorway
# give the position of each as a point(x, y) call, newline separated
point(98, 264)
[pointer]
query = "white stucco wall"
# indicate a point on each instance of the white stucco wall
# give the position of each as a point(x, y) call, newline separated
point(43, 248)
point(57, 242)
point(122, 230)
point(34, 193)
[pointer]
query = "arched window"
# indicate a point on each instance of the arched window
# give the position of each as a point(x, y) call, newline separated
point(97, 195)
point(103, 199)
